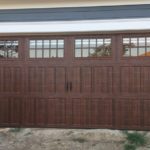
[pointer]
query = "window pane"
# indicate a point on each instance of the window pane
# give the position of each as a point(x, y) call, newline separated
point(2, 53)
point(134, 52)
point(107, 41)
point(126, 51)
point(92, 47)
point(126, 41)
point(32, 44)
point(39, 53)
point(85, 43)
point(9, 49)
point(92, 42)
point(32, 53)
point(85, 52)
point(134, 42)
point(39, 43)
point(53, 53)
point(148, 51)
point(46, 44)
point(60, 43)
point(46, 48)
point(148, 41)
point(46, 53)
point(60, 53)
point(15, 55)
point(141, 42)
point(137, 46)
point(53, 44)
point(92, 52)
point(78, 44)
point(78, 53)
point(100, 42)
point(142, 51)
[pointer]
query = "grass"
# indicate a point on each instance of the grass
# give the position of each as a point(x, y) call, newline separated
point(15, 129)
point(134, 140)
point(80, 140)
point(129, 147)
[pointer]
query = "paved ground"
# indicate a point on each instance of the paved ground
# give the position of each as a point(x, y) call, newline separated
point(61, 139)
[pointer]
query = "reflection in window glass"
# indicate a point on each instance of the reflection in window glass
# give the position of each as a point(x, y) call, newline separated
point(92, 51)
point(107, 41)
point(148, 51)
point(9, 49)
point(139, 46)
point(93, 47)
point(134, 41)
point(100, 42)
point(46, 48)
point(126, 51)
point(142, 51)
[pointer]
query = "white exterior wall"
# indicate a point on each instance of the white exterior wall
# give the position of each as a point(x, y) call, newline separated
point(16, 4)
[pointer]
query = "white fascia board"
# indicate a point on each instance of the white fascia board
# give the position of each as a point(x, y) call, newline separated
point(76, 26)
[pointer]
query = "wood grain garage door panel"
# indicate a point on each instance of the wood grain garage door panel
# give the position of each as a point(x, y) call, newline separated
point(15, 111)
point(60, 79)
point(10, 111)
point(92, 79)
point(41, 112)
point(146, 114)
point(101, 112)
point(35, 79)
point(4, 111)
point(128, 113)
point(130, 79)
point(103, 79)
point(46, 79)
point(110, 89)
point(11, 79)
point(87, 111)
point(145, 79)
point(28, 111)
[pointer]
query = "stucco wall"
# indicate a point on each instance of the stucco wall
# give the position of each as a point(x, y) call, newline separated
point(9, 4)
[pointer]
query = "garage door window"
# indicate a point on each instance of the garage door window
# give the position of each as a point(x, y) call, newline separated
point(46, 48)
point(136, 46)
point(8, 49)
point(93, 47)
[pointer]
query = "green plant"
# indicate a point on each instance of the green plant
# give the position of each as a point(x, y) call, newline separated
point(15, 129)
point(80, 140)
point(129, 147)
point(134, 140)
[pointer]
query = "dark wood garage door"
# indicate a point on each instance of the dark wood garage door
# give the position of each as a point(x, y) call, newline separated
point(90, 81)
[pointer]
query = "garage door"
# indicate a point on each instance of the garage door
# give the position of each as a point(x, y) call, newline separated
point(75, 81)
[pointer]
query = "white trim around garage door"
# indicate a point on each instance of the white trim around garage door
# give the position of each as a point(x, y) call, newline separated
point(76, 26)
